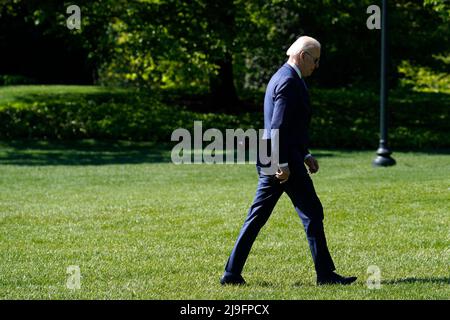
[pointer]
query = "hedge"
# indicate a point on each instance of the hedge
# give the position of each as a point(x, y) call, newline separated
point(342, 118)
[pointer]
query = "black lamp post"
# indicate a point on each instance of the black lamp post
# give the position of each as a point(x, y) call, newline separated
point(383, 158)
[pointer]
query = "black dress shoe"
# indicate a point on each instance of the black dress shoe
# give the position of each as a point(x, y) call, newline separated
point(334, 278)
point(232, 279)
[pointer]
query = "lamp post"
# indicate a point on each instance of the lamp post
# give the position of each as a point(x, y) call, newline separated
point(383, 158)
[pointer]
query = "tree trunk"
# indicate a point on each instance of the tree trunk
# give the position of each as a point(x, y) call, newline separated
point(222, 89)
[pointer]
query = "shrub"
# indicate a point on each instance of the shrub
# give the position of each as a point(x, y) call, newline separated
point(342, 118)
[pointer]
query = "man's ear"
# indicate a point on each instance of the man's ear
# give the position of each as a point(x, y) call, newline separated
point(301, 55)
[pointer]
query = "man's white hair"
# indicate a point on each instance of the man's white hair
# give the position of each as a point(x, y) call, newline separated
point(302, 44)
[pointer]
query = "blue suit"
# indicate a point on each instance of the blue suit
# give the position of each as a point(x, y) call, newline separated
point(286, 108)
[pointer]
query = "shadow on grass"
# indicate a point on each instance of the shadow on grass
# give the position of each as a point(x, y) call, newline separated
point(411, 280)
point(82, 152)
point(300, 284)
point(88, 152)
point(95, 152)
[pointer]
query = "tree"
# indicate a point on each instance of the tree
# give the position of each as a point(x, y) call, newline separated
point(224, 47)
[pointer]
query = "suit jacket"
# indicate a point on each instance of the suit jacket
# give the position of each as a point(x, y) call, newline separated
point(287, 108)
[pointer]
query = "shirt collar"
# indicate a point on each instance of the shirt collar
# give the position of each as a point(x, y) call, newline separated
point(295, 68)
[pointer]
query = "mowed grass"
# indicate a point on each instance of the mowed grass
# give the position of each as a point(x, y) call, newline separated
point(140, 227)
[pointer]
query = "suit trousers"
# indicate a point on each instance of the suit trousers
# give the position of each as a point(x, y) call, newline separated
point(300, 190)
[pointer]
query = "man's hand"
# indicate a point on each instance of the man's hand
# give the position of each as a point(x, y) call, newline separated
point(282, 174)
point(312, 164)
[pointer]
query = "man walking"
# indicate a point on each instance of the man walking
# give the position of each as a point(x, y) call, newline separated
point(287, 115)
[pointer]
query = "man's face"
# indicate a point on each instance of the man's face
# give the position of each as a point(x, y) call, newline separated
point(310, 59)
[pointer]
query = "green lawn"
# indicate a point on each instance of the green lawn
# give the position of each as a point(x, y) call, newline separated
point(140, 227)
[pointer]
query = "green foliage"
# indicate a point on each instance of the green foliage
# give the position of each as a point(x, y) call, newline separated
point(10, 80)
point(342, 118)
point(440, 6)
point(178, 43)
point(424, 79)
point(102, 113)
point(163, 43)
point(350, 119)
point(190, 44)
